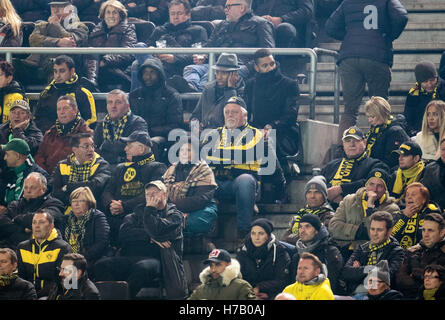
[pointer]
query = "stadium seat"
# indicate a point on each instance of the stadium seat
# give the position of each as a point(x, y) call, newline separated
point(208, 25)
point(113, 290)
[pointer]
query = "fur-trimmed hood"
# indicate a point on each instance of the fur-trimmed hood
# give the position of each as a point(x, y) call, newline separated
point(232, 272)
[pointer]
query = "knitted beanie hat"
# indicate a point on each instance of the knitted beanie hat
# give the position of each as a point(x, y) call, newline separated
point(425, 70)
point(318, 183)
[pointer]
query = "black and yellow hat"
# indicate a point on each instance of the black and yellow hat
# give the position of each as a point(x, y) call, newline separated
point(409, 148)
point(379, 173)
point(354, 132)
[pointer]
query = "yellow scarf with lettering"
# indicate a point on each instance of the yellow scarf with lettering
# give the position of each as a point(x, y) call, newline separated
point(345, 169)
point(374, 133)
point(407, 176)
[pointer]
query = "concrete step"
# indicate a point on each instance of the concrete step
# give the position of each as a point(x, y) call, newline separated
point(328, 88)
point(400, 46)
point(425, 17)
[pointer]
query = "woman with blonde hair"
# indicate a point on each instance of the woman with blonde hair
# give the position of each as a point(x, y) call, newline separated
point(385, 134)
point(85, 228)
point(11, 34)
point(433, 130)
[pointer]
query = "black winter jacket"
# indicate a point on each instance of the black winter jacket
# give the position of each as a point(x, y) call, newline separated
point(32, 135)
point(439, 295)
point(392, 252)
point(387, 295)
point(367, 28)
point(159, 105)
point(113, 151)
point(434, 180)
point(86, 291)
point(18, 289)
point(9, 93)
point(32, 10)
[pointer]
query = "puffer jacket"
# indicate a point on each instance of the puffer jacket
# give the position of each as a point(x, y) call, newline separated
point(268, 271)
point(349, 218)
point(318, 288)
point(159, 105)
point(229, 286)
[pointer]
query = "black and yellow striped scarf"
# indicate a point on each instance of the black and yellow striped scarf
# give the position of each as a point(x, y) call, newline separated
point(81, 172)
point(5, 279)
point(306, 210)
point(373, 250)
point(417, 89)
point(345, 169)
point(406, 177)
point(117, 127)
point(69, 127)
point(374, 133)
point(75, 230)
point(365, 202)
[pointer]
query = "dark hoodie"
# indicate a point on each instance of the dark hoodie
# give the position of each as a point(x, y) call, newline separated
point(159, 105)
point(8, 94)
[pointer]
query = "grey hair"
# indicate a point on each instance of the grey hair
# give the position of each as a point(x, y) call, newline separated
point(40, 177)
point(248, 5)
point(121, 93)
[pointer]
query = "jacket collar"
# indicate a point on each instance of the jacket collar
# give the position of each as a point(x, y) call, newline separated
point(230, 273)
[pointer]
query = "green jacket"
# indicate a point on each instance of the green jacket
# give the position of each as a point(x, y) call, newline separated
point(229, 286)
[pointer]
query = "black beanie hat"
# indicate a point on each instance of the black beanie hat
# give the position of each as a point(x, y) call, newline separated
point(425, 70)
point(263, 223)
point(312, 219)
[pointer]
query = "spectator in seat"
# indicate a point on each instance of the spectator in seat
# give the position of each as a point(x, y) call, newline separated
point(434, 177)
point(408, 222)
point(222, 280)
point(73, 271)
point(10, 90)
point(16, 222)
point(88, 9)
point(82, 168)
point(346, 175)
point(367, 30)
point(158, 104)
point(20, 125)
point(433, 130)
point(85, 228)
point(112, 71)
point(429, 86)
point(430, 250)
point(316, 195)
point(125, 190)
point(178, 32)
point(264, 261)
point(65, 82)
point(379, 284)
point(312, 282)
point(433, 283)
point(10, 25)
point(119, 122)
point(46, 241)
point(350, 225)
point(385, 134)
point(62, 29)
point(56, 141)
point(208, 10)
point(381, 246)
point(12, 287)
point(32, 10)
point(411, 169)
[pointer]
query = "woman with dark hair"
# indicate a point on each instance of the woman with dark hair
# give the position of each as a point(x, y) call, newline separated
point(408, 222)
point(264, 260)
point(433, 287)
point(112, 70)
point(86, 228)
point(10, 89)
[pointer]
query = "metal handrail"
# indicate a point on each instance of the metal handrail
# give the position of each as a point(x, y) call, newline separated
point(9, 51)
point(334, 54)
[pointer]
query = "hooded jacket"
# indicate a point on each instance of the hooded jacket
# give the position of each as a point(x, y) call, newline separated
point(229, 286)
point(8, 94)
point(266, 267)
point(318, 288)
point(45, 113)
point(322, 247)
point(350, 226)
point(38, 263)
point(159, 105)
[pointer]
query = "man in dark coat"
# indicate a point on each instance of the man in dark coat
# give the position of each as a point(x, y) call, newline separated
point(314, 238)
point(159, 104)
point(83, 168)
point(367, 30)
point(119, 122)
point(434, 178)
point(16, 223)
point(125, 190)
point(430, 250)
point(346, 175)
point(74, 283)
point(380, 247)
point(12, 287)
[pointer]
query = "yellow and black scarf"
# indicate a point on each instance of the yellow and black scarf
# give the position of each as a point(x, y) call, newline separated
point(69, 127)
point(75, 230)
point(365, 202)
point(344, 170)
point(117, 127)
point(417, 90)
point(406, 177)
point(6, 279)
point(306, 210)
point(81, 172)
point(373, 251)
point(374, 133)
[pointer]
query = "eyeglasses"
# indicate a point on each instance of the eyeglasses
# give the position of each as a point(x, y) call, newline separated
point(78, 201)
point(179, 13)
point(229, 6)
point(87, 146)
point(431, 277)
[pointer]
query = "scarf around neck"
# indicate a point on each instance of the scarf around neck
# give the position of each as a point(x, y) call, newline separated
point(344, 170)
point(117, 127)
point(75, 230)
point(374, 133)
point(306, 210)
point(407, 176)
point(6, 279)
point(65, 129)
point(374, 250)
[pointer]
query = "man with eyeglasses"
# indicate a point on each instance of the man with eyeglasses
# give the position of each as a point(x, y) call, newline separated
point(83, 168)
point(178, 32)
